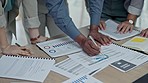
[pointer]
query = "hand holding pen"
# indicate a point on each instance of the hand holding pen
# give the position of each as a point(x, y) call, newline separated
point(95, 46)
point(93, 41)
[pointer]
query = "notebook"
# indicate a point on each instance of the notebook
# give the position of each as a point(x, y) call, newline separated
point(138, 43)
point(59, 47)
point(25, 68)
point(111, 31)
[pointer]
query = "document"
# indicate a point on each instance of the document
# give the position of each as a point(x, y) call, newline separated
point(59, 47)
point(138, 43)
point(80, 63)
point(83, 79)
point(97, 63)
point(70, 68)
point(111, 31)
point(110, 54)
point(129, 62)
point(25, 68)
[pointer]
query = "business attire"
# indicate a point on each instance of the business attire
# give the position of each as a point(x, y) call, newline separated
point(30, 12)
point(118, 9)
point(142, 21)
point(46, 20)
point(59, 11)
point(2, 15)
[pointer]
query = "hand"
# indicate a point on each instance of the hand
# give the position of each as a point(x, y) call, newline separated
point(144, 33)
point(102, 25)
point(39, 39)
point(88, 46)
point(15, 50)
point(125, 27)
point(102, 39)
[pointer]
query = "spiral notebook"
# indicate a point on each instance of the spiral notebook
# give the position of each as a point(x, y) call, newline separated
point(59, 47)
point(138, 43)
point(25, 68)
point(111, 31)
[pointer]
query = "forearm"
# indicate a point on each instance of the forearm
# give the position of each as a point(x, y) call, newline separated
point(93, 28)
point(135, 6)
point(2, 16)
point(80, 39)
point(3, 38)
point(30, 12)
point(95, 10)
point(59, 12)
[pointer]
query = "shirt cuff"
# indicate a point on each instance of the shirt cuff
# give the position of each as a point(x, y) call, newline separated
point(134, 10)
point(32, 22)
point(2, 21)
point(94, 19)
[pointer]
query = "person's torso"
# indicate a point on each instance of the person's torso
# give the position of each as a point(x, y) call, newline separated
point(114, 8)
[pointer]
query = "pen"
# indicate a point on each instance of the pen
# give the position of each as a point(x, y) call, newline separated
point(24, 48)
point(93, 40)
point(94, 71)
point(17, 44)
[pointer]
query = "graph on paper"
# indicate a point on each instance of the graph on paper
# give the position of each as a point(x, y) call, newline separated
point(107, 54)
point(59, 47)
point(70, 68)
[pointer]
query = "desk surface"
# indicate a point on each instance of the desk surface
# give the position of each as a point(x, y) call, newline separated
point(108, 75)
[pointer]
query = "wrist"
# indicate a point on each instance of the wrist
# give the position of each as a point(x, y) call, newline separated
point(80, 39)
point(33, 32)
point(130, 21)
point(94, 28)
point(131, 18)
point(4, 46)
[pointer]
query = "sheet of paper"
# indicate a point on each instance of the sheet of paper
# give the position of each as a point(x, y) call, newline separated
point(111, 31)
point(24, 82)
point(130, 62)
point(70, 68)
point(25, 68)
point(59, 47)
point(83, 79)
point(138, 43)
point(80, 63)
point(109, 54)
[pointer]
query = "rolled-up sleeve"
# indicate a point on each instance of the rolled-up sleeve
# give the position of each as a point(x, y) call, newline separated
point(95, 9)
point(31, 13)
point(135, 7)
point(59, 11)
point(2, 17)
